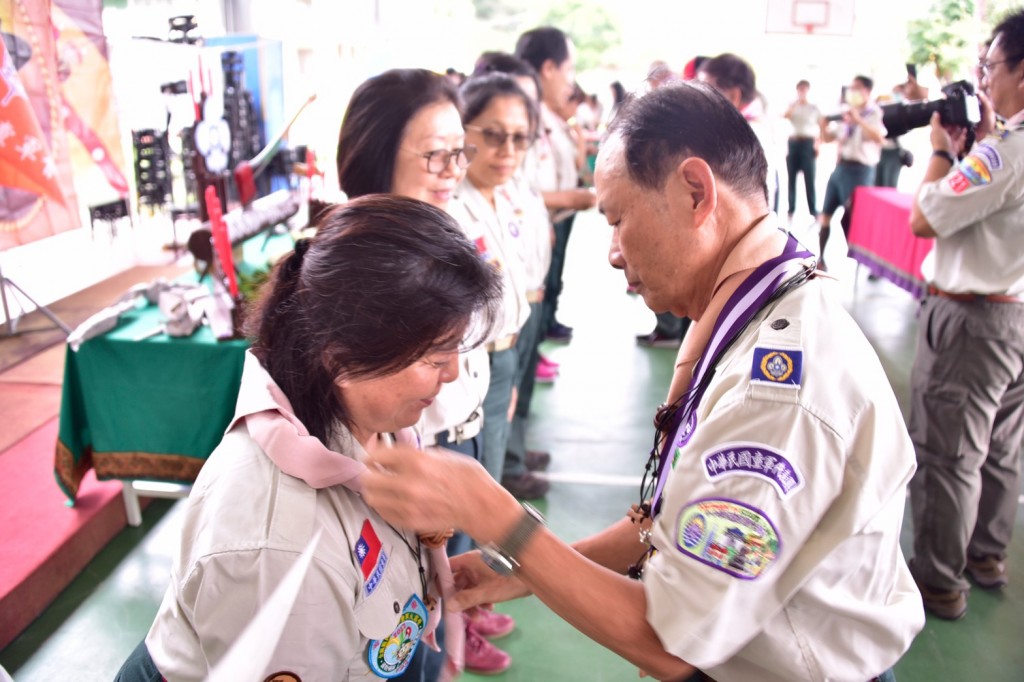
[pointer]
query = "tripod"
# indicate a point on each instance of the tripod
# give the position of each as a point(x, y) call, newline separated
point(18, 294)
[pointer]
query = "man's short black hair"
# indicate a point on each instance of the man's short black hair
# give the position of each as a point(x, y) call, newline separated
point(865, 81)
point(541, 44)
point(686, 119)
point(1011, 29)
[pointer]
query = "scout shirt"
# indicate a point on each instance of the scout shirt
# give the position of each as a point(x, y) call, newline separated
point(551, 162)
point(854, 145)
point(536, 230)
point(459, 405)
point(500, 244)
point(246, 523)
point(976, 211)
point(778, 537)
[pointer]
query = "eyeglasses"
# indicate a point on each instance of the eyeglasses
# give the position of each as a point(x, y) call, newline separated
point(498, 138)
point(986, 66)
point(438, 159)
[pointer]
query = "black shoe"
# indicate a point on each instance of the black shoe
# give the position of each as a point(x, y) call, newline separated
point(526, 487)
point(559, 332)
point(658, 340)
point(537, 460)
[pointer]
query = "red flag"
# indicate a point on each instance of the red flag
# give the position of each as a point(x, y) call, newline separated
point(25, 161)
point(221, 240)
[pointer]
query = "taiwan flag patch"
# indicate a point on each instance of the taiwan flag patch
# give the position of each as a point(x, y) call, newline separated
point(371, 556)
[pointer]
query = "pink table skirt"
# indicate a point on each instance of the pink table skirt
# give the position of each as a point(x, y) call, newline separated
point(880, 237)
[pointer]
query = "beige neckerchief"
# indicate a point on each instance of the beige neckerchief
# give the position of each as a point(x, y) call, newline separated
point(762, 242)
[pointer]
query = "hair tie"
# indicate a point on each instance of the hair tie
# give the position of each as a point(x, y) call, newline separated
point(295, 262)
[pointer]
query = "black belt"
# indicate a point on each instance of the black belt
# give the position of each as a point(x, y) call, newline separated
point(856, 164)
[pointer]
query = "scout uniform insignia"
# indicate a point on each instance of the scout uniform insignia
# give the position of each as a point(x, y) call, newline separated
point(389, 657)
point(371, 556)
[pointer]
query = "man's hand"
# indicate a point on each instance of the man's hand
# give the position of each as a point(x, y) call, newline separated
point(988, 117)
point(477, 584)
point(423, 491)
point(946, 138)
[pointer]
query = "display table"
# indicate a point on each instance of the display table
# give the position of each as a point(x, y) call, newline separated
point(145, 408)
point(881, 240)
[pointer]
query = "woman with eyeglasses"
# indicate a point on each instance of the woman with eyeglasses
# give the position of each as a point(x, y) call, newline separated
point(500, 121)
point(402, 133)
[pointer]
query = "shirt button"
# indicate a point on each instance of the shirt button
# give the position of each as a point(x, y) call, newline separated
point(780, 324)
point(397, 607)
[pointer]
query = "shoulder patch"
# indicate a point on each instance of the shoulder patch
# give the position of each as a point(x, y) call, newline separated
point(778, 366)
point(728, 536)
point(753, 459)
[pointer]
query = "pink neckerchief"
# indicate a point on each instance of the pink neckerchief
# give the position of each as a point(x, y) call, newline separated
point(272, 424)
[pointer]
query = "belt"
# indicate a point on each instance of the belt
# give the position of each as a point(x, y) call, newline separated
point(974, 298)
point(801, 138)
point(461, 433)
point(535, 296)
point(504, 343)
point(845, 162)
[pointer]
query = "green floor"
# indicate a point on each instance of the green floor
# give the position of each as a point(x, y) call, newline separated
point(596, 421)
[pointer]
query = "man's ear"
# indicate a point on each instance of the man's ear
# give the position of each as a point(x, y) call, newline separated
point(548, 68)
point(698, 182)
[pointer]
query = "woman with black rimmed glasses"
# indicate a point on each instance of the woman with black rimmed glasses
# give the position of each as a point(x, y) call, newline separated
point(402, 134)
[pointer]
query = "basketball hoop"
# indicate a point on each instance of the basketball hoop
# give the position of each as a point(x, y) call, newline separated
point(810, 17)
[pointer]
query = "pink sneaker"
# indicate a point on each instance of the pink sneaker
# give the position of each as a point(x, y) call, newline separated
point(490, 623)
point(482, 657)
point(545, 374)
point(545, 362)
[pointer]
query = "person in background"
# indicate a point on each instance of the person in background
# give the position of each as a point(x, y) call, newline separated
point(967, 382)
point(402, 134)
point(770, 516)
point(894, 156)
point(352, 338)
point(860, 134)
point(669, 329)
point(501, 121)
point(802, 155)
point(536, 240)
point(554, 156)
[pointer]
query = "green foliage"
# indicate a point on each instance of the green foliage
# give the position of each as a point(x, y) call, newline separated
point(590, 24)
point(591, 27)
point(950, 35)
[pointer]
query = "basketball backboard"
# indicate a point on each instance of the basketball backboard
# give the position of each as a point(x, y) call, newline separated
point(810, 17)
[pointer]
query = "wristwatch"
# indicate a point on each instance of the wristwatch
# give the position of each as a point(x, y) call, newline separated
point(501, 558)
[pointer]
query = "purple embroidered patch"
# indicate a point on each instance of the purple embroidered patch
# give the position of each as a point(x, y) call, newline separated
point(753, 459)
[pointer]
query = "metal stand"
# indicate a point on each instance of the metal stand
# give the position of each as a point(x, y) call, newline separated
point(11, 323)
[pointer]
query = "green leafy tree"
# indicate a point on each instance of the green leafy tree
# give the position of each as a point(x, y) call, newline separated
point(593, 29)
point(950, 35)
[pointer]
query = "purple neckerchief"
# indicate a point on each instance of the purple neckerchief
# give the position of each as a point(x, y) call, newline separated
point(742, 306)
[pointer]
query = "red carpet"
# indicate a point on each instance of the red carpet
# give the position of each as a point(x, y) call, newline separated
point(45, 543)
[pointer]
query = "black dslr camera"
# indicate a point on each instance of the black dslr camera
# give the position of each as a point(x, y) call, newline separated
point(959, 107)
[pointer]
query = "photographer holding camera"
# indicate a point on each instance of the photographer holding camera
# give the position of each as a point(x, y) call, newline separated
point(860, 135)
point(967, 383)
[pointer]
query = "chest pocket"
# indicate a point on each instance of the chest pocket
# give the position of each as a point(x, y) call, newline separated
point(384, 590)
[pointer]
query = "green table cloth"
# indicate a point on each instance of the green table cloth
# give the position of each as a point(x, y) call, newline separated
point(145, 408)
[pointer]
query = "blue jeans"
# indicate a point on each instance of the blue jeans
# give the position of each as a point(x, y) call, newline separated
point(496, 425)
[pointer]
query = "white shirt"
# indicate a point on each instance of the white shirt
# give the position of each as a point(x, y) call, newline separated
point(535, 237)
point(977, 210)
point(794, 574)
point(804, 117)
point(462, 400)
point(500, 244)
point(551, 161)
point(854, 144)
point(245, 525)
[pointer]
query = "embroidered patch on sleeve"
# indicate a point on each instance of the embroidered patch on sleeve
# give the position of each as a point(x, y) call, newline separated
point(729, 536)
point(777, 366)
point(371, 556)
point(753, 459)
